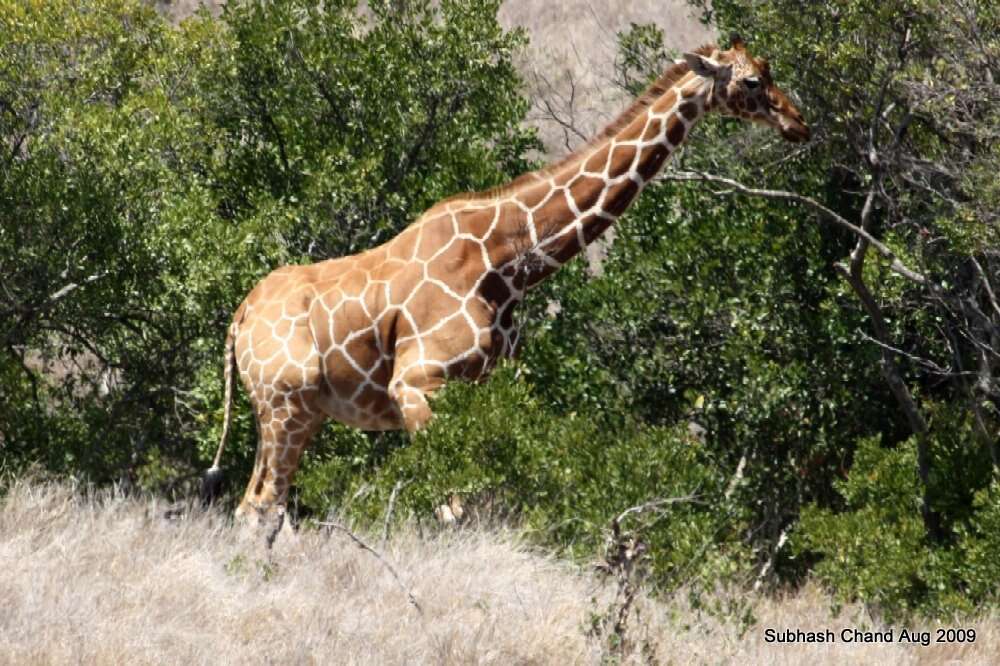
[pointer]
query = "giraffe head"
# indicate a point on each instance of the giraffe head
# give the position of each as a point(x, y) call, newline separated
point(742, 87)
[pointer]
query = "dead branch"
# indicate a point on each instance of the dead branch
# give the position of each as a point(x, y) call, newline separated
point(378, 556)
point(623, 554)
point(388, 512)
point(896, 265)
point(650, 506)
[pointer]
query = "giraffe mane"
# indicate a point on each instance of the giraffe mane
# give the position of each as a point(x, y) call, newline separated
point(674, 73)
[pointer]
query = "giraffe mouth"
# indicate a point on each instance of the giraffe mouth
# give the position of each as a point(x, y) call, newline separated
point(795, 132)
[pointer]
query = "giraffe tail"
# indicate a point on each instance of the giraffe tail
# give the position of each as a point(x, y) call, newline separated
point(211, 483)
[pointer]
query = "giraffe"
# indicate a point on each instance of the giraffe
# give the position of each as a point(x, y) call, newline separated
point(367, 339)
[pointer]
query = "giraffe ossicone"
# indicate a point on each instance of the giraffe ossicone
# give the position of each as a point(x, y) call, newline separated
point(366, 339)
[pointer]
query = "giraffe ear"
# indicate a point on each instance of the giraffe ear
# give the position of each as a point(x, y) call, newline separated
point(703, 65)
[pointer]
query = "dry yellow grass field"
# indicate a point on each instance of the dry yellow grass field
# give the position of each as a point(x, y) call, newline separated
point(108, 580)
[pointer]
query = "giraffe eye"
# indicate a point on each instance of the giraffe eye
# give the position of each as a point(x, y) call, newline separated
point(751, 82)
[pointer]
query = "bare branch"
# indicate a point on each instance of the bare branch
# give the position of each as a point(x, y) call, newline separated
point(653, 504)
point(928, 364)
point(896, 265)
point(364, 546)
point(986, 285)
point(388, 512)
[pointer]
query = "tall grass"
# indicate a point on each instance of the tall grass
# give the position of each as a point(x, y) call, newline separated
point(104, 579)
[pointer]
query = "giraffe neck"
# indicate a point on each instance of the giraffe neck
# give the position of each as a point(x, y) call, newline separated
point(568, 206)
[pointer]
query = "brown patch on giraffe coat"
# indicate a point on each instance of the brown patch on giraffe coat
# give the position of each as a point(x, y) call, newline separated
point(374, 298)
point(552, 213)
point(485, 339)
point(404, 245)
point(350, 316)
point(341, 376)
point(675, 131)
point(506, 317)
point(282, 328)
point(596, 162)
point(689, 110)
point(621, 160)
point(533, 194)
point(353, 283)
point(461, 263)
point(594, 226)
point(564, 176)
point(429, 304)
point(265, 346)
point(277, 368)
point(362, 350)
point(372, 259)
point(494, 290)
point(402, 282)
point(564, 248)
point(652, 159)
point(435, 232)
point(475, 222)
point(665, 102)
point(586, 190)
point(381, 373)
point(469, 367)
point(370, 399)
point(653, 130)
point(634, 129)
point(620, 196)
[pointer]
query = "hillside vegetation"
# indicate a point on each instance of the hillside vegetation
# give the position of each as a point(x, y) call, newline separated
point(786, 374)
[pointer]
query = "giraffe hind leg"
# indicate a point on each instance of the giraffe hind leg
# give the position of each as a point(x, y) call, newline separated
point(284, 431)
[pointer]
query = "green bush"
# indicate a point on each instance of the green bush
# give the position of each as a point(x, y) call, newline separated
point(877, 549)
point(561, 477)
point(152, 174)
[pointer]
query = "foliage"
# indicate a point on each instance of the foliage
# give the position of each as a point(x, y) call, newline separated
point(560, 477)
point(904, 104)
point(154, 174)
point(151, 174)
point(877, 549)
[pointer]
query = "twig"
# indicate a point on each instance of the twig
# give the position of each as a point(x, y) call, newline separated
point(896, 265)
point(388, 512)
point(737, 477)
point(926, 363)
point(364, 546)
point(782, 538)
point(987, 285)
point(653, 504)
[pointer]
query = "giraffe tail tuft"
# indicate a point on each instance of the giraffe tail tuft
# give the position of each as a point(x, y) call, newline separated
point(211, 483)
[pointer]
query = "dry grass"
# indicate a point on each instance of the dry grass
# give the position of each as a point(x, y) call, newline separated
point(108, 580)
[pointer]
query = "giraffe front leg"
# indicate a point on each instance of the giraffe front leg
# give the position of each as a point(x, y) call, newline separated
point(413, 382)
point(410, 391)
point(412, 405)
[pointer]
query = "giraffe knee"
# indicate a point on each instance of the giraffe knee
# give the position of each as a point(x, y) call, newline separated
point(412, 405)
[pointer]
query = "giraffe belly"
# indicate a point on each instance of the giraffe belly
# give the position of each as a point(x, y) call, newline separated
point(354, 390)
point(381, 412)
